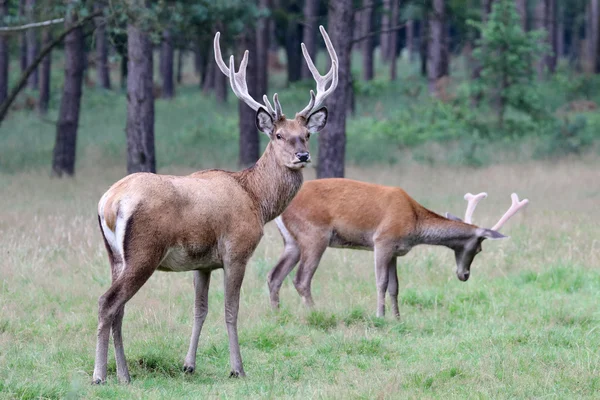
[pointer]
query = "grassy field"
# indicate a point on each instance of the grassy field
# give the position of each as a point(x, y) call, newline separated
point(525, 325)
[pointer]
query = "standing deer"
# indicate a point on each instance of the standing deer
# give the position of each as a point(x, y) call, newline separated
point(204, 221)
point(343, 213)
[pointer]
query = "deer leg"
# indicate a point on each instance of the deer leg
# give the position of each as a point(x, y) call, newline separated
point(111, 304)
point(393, 286)
point(117, 324)
point(309, 261)
point(201, 284)
point(286, 263)
point(234, 275)
point(382, 260)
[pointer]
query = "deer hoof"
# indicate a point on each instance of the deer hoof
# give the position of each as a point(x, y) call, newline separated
point(98, 381)
point(237, 374)
point(189, 369)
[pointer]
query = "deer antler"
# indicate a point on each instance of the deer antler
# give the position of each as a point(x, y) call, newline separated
point(322, 80)
point(472, 200)
point(237, 80)
point(514, 207)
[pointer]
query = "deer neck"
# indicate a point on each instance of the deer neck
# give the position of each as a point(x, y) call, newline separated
point(433, 229)
point(271, 186)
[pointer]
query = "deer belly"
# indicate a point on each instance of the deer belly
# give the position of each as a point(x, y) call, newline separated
point(185, 258)
point(344, 240)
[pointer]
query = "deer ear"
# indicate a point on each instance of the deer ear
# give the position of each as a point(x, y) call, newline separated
point(264, 122)
point(491, 234)
point(317, 120)
point(453, 217)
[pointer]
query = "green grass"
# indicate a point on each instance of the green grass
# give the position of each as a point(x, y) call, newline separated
point(525, 325)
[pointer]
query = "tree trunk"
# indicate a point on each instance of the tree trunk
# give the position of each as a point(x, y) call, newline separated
point(332, 140)
point(551, 27)
point(102, 68)
point(32, 44)
point(221, 86)
point(309, 33)
point(544, 13)
point(198, 61)
point(410, 39)
point(367, 45)
point(63, 162)
point(45, 75)
point(560, 34)
point(211, 72)
point(293, 50)
point(180, 61)
point(384, 41)
point(249, 143)
point(424, 44)
point(4, 54)
point(124, 70)
point(22, 38)
point(486, 8)
point(522, 9)
point(394, 40)
point(435, 67)
point(140, 102)
point(166, 60)
point(262, 51)
point(592, 34)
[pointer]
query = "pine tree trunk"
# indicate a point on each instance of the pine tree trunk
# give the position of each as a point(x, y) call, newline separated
point(592, 34)
point(262, 51)
point(63, 162)
point(166, 60)
point(140, 102)
point(309, 33)
point(221, 86)
point(180, 61)
point(4, 54)
point(551, 27)
point(102, 68)
point(394, 40)
point(249, 143)
point(435, 61)
point(22, 38)
point(332, 140)
point(560, 34)
point(198, 61)
point(384, 38)
point(45, 75)
point(522, 9)
point(32, 45)
point(544, 13)
point(367, 45)
point(486, 8)
point(410, 39)
point(208, 84)
point(293, 51)
point(424, 45)
point(124, 70)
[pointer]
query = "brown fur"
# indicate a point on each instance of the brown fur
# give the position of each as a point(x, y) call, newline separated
point(349, 214)
point(207, 220)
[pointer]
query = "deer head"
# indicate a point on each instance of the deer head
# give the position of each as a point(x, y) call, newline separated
point(468, 244)
point(288, 137)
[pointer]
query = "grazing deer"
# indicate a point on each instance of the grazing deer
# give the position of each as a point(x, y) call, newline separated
point(204, 221)
point(343, 213)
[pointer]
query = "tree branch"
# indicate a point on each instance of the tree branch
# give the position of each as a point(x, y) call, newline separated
point(10, 29)
point(370, 34)
point(23, 81)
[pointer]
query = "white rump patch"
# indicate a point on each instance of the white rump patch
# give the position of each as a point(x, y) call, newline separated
point(287, 236)
point(115, 238)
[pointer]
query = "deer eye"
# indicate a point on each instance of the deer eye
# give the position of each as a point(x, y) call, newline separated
point(278, 136)
point(308, 136)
